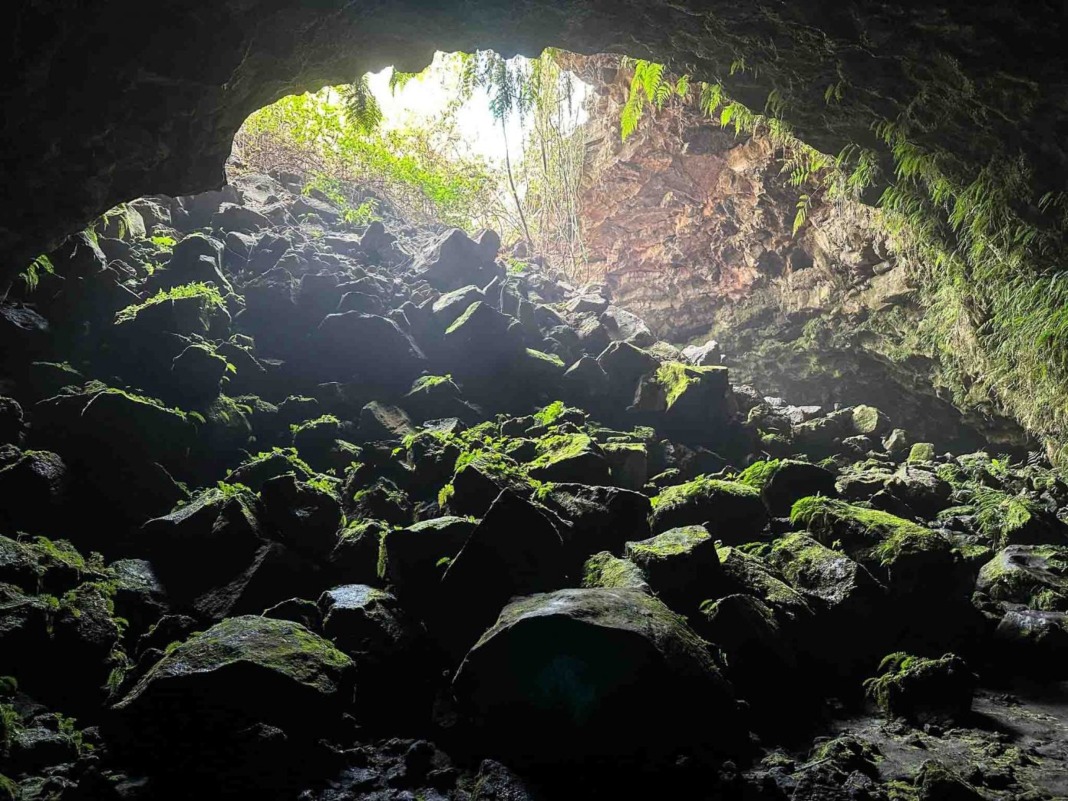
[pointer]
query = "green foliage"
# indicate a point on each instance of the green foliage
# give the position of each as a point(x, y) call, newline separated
point(207, 292)
point(31, 276)
point(354, 211)
point(415, 168)
point(361, 106)
point(163, 242)
point(549, 414)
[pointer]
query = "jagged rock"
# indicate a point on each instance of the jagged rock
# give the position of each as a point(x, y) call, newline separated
point(681, 565)
point(707, 355)
point(501, 560)
point(455, 261)
point(197, 373)
point(222, 524)
point(1035, 576)
point(368, 347)
point(448, 308)
point(921, 490)
point(305, 516)
point(232, 217)
point(569, 458)
point(381, 422)
point(640, 681)
point(896, 443)
point(11, 421)
point(624, 326)
point(628, 463)
point(33, 485)
point(196, 258)
point(758, 653)
point(733, 512)
point(599, 518)
point(869, 421)
point(139, 595)
point(851, 603)
point(383, 500)
point(413, 559)
point(624, 364)
point(783, 481)
point(253, 472)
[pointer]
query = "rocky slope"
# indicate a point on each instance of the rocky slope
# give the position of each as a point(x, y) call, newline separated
point(292, 510)
point(692, 228)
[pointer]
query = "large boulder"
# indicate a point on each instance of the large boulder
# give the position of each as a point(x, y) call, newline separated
point(454, 261)
point(369, 348)
point(514, 550)
point(241, 672)
point(599, 518)
point(783, 481)
point(733, 512)
point(605, 673)
point(681, 565)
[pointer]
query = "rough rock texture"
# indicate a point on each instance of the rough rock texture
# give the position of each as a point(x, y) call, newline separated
point(156, 108)
point(691, 226)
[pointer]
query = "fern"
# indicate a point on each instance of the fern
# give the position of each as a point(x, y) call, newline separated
point(361, 106)
point(31, 276)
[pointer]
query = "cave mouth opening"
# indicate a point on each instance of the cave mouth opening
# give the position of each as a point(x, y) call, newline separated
point(474, 141)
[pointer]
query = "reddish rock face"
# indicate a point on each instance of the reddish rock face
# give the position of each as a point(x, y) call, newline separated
point(692, 228)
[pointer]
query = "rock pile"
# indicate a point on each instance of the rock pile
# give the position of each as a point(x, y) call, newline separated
point(300, 510)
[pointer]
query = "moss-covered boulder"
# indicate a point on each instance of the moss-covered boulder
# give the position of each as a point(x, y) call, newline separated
point(686, 401)
point(850, 608)
point(608, 571)
point(759, 655)
point(783, 481)
point(749, 574)
point(733, 512)
point(681, 565)
point(921, 689)
point(569, 457)
point(611, 673)
point(241, 672)
point(1035, 576)
point(598, 518)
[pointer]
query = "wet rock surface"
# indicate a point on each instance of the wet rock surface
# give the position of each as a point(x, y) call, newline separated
point(399, 547)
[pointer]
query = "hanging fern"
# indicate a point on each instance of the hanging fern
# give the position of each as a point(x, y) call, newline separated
point(398, 80)
point(31, 276)
point(361, 106)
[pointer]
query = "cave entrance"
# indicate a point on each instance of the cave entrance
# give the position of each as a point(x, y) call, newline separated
point(475, 141)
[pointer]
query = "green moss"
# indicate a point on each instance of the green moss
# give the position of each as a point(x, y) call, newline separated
point(702, 485)
point(550, 359)
point(207, 292)
point(675, 542)
point(676, 377)
point(9, 790)
point(921, 452)
point(549, 414)
point(830, 520)
point(463, 318)
point(605, 570)
point(554, 448)
point(426, 382)
point(323, 420)
point(758, 474)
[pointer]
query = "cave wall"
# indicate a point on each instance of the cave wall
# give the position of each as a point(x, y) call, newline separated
point(692, 228)
point(110, 100)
